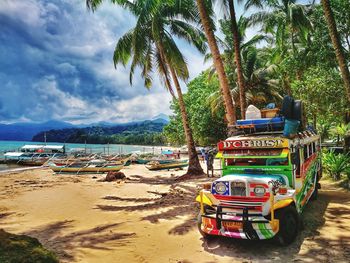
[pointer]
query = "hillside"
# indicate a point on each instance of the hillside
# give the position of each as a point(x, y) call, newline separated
point(146, 132)
point(25, 131)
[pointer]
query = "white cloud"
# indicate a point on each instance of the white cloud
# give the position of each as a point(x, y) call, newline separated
point(61, 64)
point(29, 11)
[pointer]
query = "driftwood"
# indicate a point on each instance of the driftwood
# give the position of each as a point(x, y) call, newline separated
point(114, 176)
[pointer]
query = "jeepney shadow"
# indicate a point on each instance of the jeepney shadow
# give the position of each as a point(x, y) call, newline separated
point(313, 219)
point(333, 246)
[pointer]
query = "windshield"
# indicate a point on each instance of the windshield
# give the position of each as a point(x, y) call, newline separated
point(257, 161)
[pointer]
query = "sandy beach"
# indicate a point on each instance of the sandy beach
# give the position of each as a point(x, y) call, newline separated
point(150, 217)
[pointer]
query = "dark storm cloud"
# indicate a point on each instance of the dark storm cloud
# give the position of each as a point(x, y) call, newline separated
point(56, 62)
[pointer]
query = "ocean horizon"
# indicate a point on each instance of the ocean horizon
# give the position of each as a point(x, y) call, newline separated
point(6, 146)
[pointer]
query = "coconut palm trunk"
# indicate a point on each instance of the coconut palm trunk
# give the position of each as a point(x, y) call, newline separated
point(194, 167)
point(219, 65)
point(333, 32)
point(236, 43)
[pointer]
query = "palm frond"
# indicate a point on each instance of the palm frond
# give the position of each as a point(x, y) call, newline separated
point(163, 72)
point(123, 49)
point(190, 33)
point(174, 57)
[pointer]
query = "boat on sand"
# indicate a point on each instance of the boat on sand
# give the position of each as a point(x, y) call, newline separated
point(85, 167)
point(153, 166)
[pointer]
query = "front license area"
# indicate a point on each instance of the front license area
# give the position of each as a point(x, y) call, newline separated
point(232, 225)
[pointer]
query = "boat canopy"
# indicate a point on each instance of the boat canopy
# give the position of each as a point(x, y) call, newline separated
point(48, 147)
point(43, 148)
point(13, 154)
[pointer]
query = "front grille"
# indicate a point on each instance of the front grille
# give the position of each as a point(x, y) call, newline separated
point(238, 189)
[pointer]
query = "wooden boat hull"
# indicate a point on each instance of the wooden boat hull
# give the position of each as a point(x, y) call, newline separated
point(88, 169)
point(146, 161)
point(166, 166)
point(142, 161)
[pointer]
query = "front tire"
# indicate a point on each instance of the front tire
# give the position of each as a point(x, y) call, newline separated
point(289, 225)
point(314, 195)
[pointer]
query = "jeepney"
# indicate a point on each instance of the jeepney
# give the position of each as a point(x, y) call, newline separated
point(267, 180)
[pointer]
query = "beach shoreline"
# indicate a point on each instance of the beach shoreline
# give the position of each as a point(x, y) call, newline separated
point(149, 217)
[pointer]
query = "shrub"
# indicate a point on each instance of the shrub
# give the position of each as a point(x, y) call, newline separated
point(21, 248)
point(336, 164)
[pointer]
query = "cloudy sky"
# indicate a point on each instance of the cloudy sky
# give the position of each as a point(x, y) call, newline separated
point(56, 63)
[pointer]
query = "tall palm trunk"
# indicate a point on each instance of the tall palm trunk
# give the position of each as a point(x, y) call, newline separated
point(332, 28)
point(333, 32)
point(194, 167)
point(237, 42)
point(219, 65)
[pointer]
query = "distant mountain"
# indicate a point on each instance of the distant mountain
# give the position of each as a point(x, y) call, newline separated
point(162, 116)
point(25, 131)
point(145, 132)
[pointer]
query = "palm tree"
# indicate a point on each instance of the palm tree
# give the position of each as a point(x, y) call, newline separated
point(286, 20)
point(236, 42)
point(151, 44)
point(333, 32)
point(206, 11)
point(261, 87)
point(229, 4)
point(288, 23)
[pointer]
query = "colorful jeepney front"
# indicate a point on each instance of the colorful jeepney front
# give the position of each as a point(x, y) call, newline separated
point(258, 179)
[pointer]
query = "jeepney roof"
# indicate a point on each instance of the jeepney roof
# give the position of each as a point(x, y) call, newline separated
point(302, 137)
point(256, 137)
point(267, 141)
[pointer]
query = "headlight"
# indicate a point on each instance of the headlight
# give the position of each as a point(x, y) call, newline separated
point(220, 188)
point(259, 190)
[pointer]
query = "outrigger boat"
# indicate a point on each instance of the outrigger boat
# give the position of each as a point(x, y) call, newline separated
point(161, 161)
point(35, 155)
point(72, 161)
point(85, 167)
point(153, 166)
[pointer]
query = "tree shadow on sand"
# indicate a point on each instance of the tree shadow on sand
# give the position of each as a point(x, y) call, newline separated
point(4, 215)
point(55, 237)
point(155, 180)
point(179, 201)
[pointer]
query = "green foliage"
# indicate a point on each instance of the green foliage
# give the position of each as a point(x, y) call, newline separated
point(296, 57)
point(340, 132)
point(208, 127)
point(322, 92)
point(336, 164)
point(174, 131)
point(341, 10)
point(21, 248)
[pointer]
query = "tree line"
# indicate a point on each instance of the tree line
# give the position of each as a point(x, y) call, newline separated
point(143, 133)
